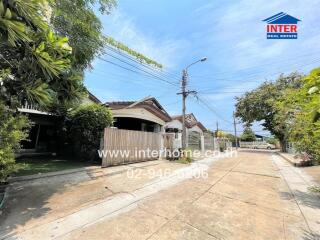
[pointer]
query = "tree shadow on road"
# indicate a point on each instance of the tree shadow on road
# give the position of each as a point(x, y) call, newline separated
point(311, 200)
point(310, 236)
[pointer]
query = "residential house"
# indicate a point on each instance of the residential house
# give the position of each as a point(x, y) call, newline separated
point(43, 137)
point(142, 115)
point(194, 130)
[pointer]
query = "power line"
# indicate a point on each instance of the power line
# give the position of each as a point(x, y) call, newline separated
point(157, 70)
point(301, 66)
point(295, 59)
point(141, 73)
point(253, 76)
point(212, 109)
point(136, 67)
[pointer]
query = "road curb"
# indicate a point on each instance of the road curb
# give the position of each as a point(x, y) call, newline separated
point(295, 164)
point(3, 199)
point(51, 174)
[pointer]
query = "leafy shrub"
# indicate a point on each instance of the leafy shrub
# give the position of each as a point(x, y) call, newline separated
point(86, 125)
point(186, 156)
point(272, 141)
point(13, 129)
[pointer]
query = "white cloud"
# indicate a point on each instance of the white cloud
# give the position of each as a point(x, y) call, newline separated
point(123, 28)
point(240, 26)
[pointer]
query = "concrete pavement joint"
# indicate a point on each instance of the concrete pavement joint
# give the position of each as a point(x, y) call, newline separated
point(200, 229)
point(219, 180)
point(304, 217)
point(72, 222)
point(254, 204)
point(257, 174)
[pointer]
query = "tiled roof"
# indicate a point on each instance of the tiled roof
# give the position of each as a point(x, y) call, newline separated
point(191, 121)
point(150, 104)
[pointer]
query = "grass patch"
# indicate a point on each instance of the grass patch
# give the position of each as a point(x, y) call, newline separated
point(315, 189)
point(185, 160)
point(30, 166)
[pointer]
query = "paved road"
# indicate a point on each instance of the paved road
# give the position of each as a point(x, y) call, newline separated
point(256, 195)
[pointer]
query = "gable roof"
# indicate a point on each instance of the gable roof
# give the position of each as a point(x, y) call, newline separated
point(281, 18)
point(191, 121)
point(93, 97)
point(150, 104)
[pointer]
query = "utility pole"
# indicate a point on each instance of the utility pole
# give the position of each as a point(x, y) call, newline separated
point(217, 129)
point(235, 129)
point(184, 94)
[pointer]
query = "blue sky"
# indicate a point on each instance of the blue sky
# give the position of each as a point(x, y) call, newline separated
point(230, 33)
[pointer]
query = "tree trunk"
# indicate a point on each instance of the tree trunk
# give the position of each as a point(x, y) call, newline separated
point(283, 145)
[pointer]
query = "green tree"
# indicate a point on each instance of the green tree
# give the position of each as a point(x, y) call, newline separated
point(272, 140)
point(85, 126)
point(301, 108)
point(77, 20)
point(260, 105)
point(34, 59)
point(248, 135)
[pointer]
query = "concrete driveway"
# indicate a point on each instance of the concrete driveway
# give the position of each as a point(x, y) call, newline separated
point(256, 195)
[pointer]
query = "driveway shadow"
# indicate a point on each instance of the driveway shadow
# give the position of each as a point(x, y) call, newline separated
point(29, 201)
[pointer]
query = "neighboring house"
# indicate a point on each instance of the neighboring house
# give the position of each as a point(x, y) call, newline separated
point(143, 115)
point(43, 133)
point(194, 131)
point(260, 138)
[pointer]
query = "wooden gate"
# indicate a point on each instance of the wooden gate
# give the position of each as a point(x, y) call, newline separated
point(168, 139)
point(127, 146)
point(194, 140)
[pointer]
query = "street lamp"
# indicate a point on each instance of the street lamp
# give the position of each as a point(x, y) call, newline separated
point(184, 94)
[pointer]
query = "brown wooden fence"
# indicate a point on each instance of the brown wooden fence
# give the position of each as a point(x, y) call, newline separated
point(127, 146)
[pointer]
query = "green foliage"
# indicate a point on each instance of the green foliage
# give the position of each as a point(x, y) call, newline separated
point(77, 20)
point(301, 108)
point(315, 189)
point(34, 58)
point(230, 137)
point(139, 56)
point(220, 134)
point(272, 140)
point(186, 157)
point(85, 128)
point(260, 104)
point(248, 135)
point(13, 129)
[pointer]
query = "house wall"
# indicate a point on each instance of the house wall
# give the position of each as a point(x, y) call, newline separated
point(178, 125)
point(86, 101)
point(195, 129)
point(174, 124)
point(139, 113)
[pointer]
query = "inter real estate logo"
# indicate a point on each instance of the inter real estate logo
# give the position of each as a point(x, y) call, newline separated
point(282, 26)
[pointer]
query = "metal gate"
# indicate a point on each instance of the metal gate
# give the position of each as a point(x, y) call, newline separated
point(127, 146)
point(194, 140)
point(208, 141)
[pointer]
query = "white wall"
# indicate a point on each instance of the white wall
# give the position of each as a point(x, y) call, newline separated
point(177, 124)
point(140, 113)
point(174, 124)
